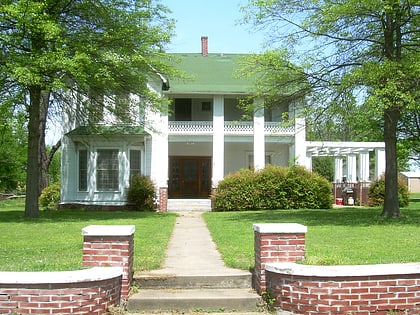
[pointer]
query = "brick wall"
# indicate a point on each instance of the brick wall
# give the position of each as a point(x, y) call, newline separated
point(163, 199)
point(276, 243)
point(108, 249)
point(346, 290)
point(110, 246)
point(355, 290)
point(89, 291)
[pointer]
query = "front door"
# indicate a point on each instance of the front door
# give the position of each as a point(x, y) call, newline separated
point(189, 177)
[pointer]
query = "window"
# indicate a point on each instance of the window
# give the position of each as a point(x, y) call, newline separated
point(135, 162)
point(206, 106)
point(83, 170)
point(107, 170)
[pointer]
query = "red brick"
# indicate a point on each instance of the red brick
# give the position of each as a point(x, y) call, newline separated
point(407, 282)
point(397, 289)
point(378, 289)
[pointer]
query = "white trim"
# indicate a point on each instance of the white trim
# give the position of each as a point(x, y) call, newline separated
point(108, 230)
point(279, 228)
point(344, 270)
point(76, 276)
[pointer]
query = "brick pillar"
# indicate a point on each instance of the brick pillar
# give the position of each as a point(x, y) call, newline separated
point(110, 246)
point(163, 199)
point(283, 242)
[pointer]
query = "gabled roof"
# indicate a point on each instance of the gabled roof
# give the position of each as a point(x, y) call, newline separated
point(213, 74)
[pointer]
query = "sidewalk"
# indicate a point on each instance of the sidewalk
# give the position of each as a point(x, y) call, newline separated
point(192, 254)
point(191, 250)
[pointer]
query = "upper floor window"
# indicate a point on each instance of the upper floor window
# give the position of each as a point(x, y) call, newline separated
point(107, 168)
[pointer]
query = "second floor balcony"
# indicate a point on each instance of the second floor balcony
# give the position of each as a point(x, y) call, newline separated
point(239, 128)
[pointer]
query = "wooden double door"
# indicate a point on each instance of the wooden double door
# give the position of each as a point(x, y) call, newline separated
point(189, 177)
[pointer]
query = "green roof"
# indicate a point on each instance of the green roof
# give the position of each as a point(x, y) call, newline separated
point(214, 73)
point(107, 130)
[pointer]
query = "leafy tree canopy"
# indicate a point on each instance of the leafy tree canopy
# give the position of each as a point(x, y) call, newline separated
point(54, 50)
point(354, 55)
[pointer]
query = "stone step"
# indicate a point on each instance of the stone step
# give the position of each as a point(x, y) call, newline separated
point(184, 300)
point(180, 205)
point(150, 281)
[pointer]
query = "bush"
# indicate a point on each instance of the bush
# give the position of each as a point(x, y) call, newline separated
point(272, 188)
point(50, 197)
point(142, 193)
point(377, 193)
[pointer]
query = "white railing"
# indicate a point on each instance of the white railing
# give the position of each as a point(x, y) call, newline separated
point(190, 127)
point(276, 128)
point(230, 128)
point(239, 127)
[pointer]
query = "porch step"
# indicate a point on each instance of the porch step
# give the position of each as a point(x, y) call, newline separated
point(240, 281)
point(184, 300)
point(180, 205)
point(187, 293)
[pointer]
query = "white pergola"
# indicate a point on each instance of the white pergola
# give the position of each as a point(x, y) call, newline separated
point(356, 155)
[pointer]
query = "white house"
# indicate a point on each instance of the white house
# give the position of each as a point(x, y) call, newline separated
point(189, 150)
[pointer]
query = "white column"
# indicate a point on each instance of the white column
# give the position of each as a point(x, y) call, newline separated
point(160, 152)
point(299, 146)
point(218, 140)
point(338, 169)
point(364, 166)
point(351, 168)
point(259, 139)
point(308, 162)
point(379, 162)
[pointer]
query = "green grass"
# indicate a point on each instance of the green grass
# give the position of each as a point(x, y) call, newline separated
point(415, 195)
point(54, 240)
point(337, 236)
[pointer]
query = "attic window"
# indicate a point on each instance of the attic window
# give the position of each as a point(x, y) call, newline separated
point(206, 106)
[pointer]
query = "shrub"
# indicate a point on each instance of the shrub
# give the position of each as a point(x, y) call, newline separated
point(142, 193)
point(50, 197)
point(377, 193)
point(272, 188)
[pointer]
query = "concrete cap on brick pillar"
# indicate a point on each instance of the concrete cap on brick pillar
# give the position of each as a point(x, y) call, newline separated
point(268, 228)
point(108, 230)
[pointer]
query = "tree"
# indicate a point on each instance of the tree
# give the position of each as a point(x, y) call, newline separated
point(365, 48)
point(53, 50)
point(13, 137)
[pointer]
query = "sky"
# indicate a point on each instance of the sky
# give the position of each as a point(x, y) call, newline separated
point(217, 19)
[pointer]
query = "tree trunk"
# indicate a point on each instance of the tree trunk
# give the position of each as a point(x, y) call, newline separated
point(391, 204)
point(44, 159)
point(33, 164)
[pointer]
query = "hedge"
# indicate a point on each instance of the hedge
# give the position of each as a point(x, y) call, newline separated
point(274, 187)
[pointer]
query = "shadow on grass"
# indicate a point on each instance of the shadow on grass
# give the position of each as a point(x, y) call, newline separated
point(356, 216)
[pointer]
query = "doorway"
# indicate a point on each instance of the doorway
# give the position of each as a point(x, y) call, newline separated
point(189, 177)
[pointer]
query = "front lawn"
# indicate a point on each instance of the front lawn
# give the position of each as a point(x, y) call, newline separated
point(53, 242)
point(336, 236)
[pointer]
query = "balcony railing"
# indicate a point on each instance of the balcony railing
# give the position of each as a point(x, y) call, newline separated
point(230, 128)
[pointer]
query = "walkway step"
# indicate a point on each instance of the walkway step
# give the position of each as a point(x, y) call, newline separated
point(194, 282)
point(195, 299)
point(182, 205)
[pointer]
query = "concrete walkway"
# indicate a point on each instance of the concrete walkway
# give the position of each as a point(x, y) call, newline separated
point(191, 250)
point(192, 253)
